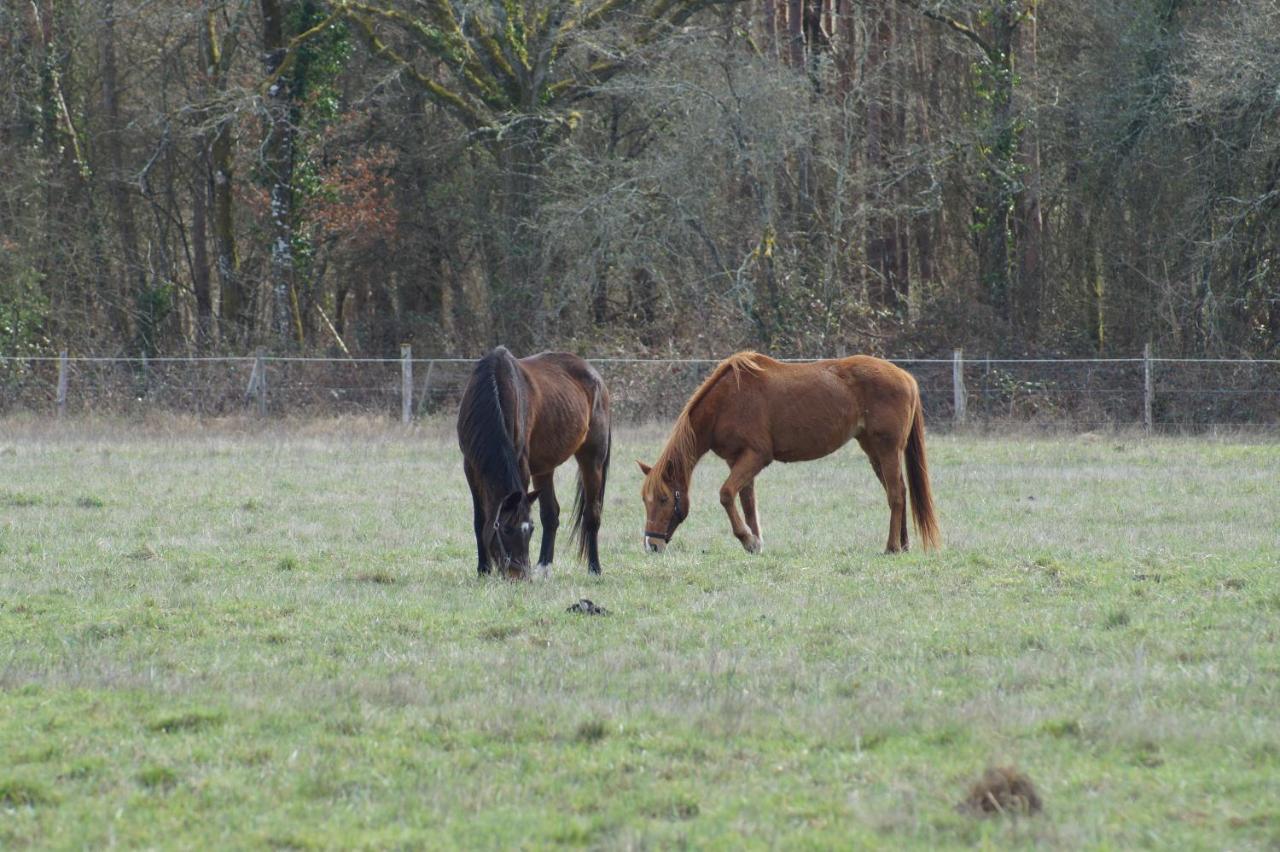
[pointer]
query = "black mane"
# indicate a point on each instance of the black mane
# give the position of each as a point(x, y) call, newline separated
point(482, 424)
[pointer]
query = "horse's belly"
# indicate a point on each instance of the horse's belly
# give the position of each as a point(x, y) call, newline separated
point(807, 453)
point(811, 428)
point(814, 443)
point(551, 445)
point(551, 454)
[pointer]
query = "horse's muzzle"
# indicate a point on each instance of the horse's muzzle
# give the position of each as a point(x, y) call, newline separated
point(517, 570)
point(654, 545)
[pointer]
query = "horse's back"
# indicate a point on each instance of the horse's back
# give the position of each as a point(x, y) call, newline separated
point(564, 366)
point(569, 400)
point(562, 379)
point(815, 407)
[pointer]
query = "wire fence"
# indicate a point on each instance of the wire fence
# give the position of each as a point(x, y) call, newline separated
point(1158, 394)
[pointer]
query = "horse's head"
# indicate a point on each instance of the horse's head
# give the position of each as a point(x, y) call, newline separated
point(509, 533)
point(666, 505)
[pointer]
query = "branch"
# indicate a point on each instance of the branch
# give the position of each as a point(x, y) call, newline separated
point(603, 70)
point(992, 55)
point(291, 51)
point(495, 82)
point(470, 116)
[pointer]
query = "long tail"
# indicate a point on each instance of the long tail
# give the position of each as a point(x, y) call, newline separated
point(580, 498)
point(922, 512)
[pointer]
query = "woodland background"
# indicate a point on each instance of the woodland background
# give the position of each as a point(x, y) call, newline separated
point(685, 177)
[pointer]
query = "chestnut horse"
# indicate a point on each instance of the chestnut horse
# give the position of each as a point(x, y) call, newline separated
point(520, 420)
point(753, 410)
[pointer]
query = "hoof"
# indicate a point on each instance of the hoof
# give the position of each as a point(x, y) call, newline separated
point(542, 570)
point(751, 544)
point(594, 569)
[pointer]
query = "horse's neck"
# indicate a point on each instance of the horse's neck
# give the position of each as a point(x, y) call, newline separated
point(702, 426)
point(515, 410)
point(702, 420)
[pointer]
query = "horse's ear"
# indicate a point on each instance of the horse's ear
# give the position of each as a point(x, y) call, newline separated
point(511, 501)
point(644, 468)
point(533, 495)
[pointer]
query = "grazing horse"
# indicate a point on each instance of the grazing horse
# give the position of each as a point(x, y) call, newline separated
point(519, 420)
point(753, 410)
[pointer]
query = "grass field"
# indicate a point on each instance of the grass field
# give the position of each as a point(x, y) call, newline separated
point(213, 638)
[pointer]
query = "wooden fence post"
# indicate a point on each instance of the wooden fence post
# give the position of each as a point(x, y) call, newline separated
point(957, 384)
point(62, 383)
point(406, 383)
point(424, 405)
point(258, 383)
point(1148, 392)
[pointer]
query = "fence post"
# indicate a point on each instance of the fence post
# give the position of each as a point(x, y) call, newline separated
point(258, 383)
point(1147, 388)
point(406, 383)
point(62, 383)
point(957, 384)
point(424, 405)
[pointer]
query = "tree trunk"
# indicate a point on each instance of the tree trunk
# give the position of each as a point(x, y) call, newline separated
point(993, 214)
point(795, 33)
point(1029, 228)
point(883, 250)
point(516, 292)
point(135, 290)
point(926, 101)
point(218, 148)
point(200, 279)
point(770, 13)
point(278, 159)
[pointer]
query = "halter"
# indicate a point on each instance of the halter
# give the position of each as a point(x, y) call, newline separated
point(497, 537)
point(671, 523)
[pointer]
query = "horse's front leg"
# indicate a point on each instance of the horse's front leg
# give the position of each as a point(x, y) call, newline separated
point(742, 471)
point(749, 510)
point(549, 514)
point(477, 521)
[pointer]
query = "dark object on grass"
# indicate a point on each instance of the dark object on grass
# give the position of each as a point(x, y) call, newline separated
point(1002, 790)
point(587, 607)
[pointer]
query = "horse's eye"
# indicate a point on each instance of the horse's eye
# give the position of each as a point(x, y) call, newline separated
point(663, 500)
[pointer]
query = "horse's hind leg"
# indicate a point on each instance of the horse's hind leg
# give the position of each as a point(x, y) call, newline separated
point(549, 514)
point(867, 448)
point(477, 521)
point(895, 489)
point(591, 470)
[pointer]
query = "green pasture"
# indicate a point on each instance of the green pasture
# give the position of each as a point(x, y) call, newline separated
point(225, 637)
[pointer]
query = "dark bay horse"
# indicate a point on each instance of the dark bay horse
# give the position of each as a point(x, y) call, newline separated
point(520, 420)
point(753, 410)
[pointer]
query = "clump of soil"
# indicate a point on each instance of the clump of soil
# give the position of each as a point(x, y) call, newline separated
point(585, 606)
point(1002, 790)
